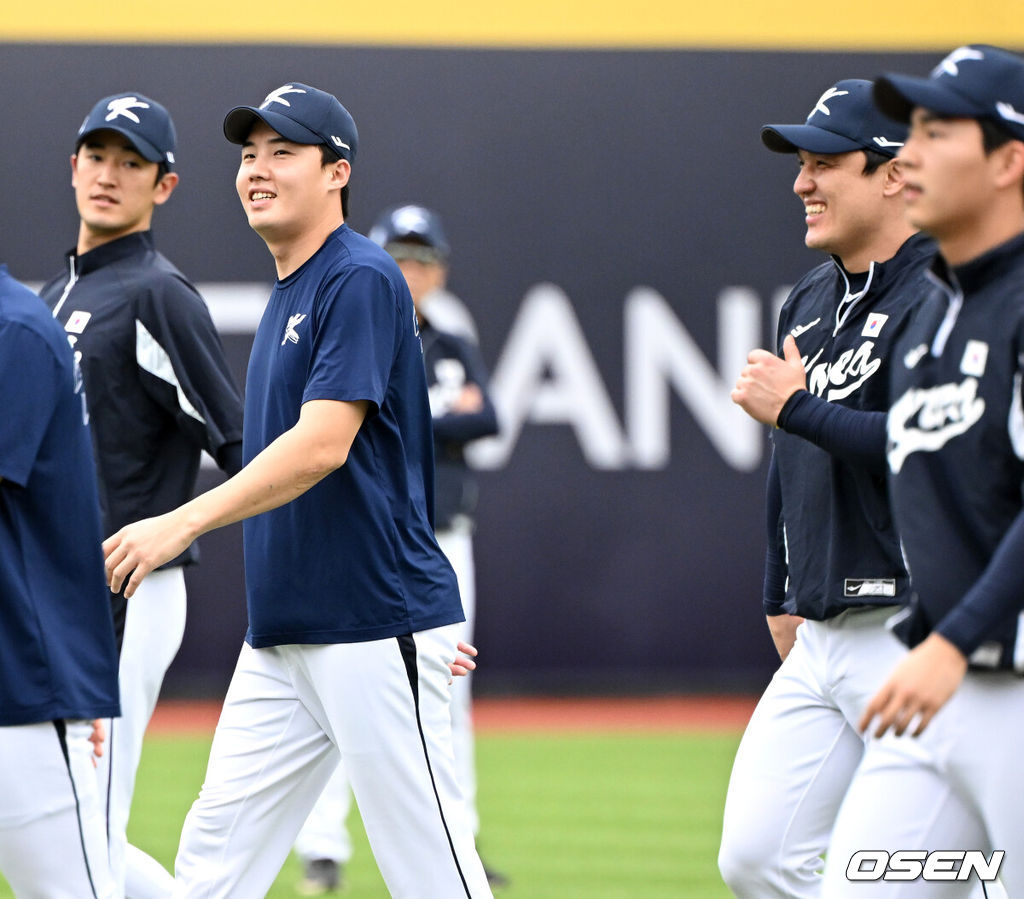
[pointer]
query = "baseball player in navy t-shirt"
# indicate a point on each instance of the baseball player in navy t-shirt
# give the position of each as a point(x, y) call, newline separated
point(353, 609)
point(58, 661)
point(956, 473)
point(462, 412)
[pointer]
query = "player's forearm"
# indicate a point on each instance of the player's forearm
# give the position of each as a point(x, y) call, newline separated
point(292, 464)
point(282, 472)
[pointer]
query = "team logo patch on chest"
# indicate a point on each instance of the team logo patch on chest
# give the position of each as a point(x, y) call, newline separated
point(290, 334)
point(878, 586)
point(975, 357)
point(873, 326)
point(77, 322)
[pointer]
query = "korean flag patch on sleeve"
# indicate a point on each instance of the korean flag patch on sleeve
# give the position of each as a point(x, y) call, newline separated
point(873, 326)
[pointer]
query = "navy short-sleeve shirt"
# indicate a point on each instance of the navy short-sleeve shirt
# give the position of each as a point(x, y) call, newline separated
point(57, 652)
point(354, 558)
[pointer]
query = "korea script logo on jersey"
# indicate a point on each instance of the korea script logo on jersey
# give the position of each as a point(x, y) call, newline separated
point(290, 334)
point(838, 378)
point(926, 419)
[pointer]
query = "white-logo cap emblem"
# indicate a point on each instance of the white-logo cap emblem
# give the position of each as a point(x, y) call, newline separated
point(123, 106)
point(277, 96)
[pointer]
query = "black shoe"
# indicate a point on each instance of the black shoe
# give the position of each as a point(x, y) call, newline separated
point(320, 876)
point(495, 878)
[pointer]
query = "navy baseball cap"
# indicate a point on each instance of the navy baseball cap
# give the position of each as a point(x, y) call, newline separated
point(977, 81)
point(843, 120)
point(301, 114)
point(410, 226)
point(144, 122)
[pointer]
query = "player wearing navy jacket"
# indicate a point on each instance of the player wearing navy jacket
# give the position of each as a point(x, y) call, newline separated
point(956, 462)
point(159, 393)
point(833, 567)
point(353, 609)
point(57, 654)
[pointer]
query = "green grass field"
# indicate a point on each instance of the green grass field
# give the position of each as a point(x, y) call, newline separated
point(602, 816)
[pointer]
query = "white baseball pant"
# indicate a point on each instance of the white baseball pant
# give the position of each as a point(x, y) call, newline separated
point(53, 840)
point(154, 627)
point(324, 834)
point(799, 754)
point(289, 710)
point(958, 786)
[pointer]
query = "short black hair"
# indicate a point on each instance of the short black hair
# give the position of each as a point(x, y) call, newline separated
point(873, 161)
point(993, 135)
point(329, 157)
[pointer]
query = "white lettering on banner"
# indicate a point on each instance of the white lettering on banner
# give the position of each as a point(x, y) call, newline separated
point(914, 864)
point(546, 374)
point(660, 351)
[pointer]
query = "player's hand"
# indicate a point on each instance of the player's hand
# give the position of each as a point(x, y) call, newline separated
point(463, 665)
point(469, 400)
point(97, 738)
point(139, 548)
point(767, 381)
point(919, 686)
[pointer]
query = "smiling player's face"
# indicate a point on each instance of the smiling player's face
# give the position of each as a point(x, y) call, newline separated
point(842, 205)
point(285, 189)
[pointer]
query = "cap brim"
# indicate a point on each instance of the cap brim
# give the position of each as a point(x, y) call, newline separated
point(790, 138)
point(239, 121)
point(897, 95)
point(144, 148)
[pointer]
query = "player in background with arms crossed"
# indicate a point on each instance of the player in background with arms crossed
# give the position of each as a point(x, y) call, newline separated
point(462, 411)
point(56, 630)
point(353, 609)
point(833, 571)
point(956, 471)
point(159, 393)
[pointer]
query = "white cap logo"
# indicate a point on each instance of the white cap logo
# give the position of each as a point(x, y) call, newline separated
point(124, 106)
point(951, 64)
point(1007, 111)
point(278, 96)
point(824, 98)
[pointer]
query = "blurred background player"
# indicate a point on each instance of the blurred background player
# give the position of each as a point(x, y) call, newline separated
point(956, 466)
point(461, 411)
point(159, 392)
point(56, 630)
point(833, 572)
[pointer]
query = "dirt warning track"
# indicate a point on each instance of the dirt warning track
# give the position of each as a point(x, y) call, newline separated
point(508, 714)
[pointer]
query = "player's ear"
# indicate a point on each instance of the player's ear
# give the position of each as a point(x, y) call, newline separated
point(340, 172)
point(74, 169)
point(165, 187)
point(1009, 164)
point(893, 177)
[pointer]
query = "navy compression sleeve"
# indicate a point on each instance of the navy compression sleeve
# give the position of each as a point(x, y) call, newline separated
point(853, 435)
point(996, 596)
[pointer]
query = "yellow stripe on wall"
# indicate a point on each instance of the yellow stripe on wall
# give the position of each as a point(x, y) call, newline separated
point(742, 24)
